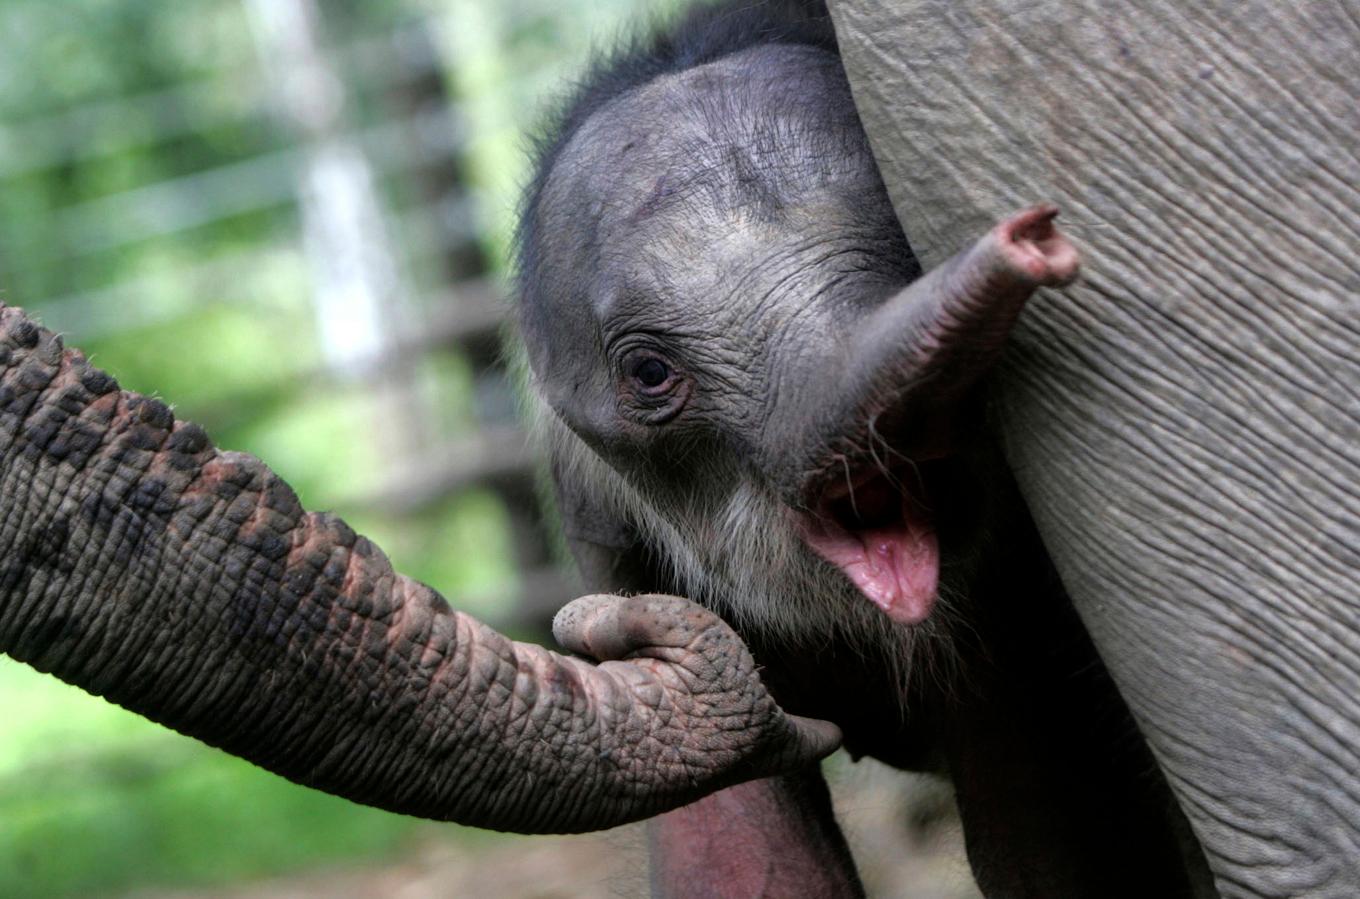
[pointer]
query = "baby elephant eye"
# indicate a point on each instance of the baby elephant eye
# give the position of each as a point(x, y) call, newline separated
point(651, 390)
point(651, 372)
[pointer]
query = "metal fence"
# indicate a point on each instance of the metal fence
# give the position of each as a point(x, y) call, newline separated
point(357, 163)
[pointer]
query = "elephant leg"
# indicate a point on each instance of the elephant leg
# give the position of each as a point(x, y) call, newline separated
point(1058, 791)
point(768, 838)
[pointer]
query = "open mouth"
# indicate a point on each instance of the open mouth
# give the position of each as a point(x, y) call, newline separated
point(878, 528)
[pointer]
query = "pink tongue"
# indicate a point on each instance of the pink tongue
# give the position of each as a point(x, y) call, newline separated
point(898, 569)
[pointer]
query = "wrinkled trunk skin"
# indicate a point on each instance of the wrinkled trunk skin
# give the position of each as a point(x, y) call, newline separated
point(909, 364)
point(187, 584)
point(1185, 423)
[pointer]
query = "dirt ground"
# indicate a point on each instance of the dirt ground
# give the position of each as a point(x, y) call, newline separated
point(903, 828)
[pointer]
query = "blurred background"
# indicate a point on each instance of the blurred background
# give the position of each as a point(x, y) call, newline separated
point(290, 219)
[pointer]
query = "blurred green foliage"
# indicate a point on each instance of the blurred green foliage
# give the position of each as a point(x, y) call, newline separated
point(94, 801)
point(103, 104)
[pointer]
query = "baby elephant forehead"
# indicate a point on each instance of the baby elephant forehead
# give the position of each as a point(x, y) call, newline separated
point(761, 115)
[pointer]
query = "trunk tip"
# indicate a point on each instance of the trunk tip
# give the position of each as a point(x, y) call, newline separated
point(1031, 242)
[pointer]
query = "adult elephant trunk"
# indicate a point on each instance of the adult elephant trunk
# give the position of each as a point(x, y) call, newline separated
point(189, 585)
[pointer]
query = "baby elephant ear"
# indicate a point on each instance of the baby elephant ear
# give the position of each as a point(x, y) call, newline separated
point(189, 585)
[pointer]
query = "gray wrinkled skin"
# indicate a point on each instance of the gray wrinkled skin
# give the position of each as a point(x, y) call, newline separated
point(752, 396)
point(729, 345)
point(730, 220)
point(188, 584)
point(1186, 424)
point(767, 185)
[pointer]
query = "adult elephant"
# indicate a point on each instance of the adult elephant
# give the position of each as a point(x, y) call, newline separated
point(188, 584)
point(1185, 423)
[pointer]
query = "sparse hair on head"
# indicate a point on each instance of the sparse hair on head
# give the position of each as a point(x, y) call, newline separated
point(704, 34)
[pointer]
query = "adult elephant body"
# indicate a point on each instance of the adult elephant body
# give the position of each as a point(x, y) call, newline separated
point(1185, 424)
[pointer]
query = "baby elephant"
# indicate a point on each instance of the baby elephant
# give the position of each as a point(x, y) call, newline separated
point(753, 397)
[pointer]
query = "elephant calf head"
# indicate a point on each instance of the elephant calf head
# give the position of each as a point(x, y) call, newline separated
point(735, 348)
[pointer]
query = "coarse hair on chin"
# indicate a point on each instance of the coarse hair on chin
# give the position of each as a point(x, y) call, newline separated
point(753, 564)
point(738, 553)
